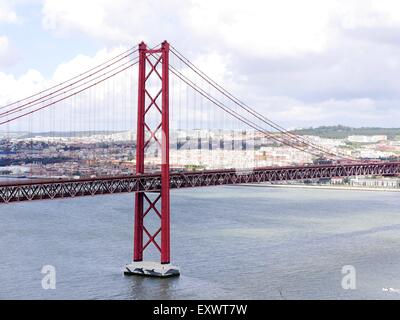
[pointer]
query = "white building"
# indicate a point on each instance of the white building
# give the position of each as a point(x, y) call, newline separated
point(375, 183)
point(367, 139)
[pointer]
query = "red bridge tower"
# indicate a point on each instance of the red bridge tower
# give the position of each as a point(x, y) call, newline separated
point(150, 63)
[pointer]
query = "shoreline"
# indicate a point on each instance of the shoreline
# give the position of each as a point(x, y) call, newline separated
point(302, 186)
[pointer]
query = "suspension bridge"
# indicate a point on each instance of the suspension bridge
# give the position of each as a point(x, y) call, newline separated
point(85, 137)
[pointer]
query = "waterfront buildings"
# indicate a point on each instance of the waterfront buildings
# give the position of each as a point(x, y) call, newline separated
point(111, 153)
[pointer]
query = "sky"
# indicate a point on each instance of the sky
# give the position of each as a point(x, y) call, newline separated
point(300, 63)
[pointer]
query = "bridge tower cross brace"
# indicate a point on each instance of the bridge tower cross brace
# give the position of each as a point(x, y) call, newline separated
point(150, 61)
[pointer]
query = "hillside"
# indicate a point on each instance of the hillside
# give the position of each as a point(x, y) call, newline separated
point(341, 132)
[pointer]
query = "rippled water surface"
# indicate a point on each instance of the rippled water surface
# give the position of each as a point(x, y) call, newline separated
point(230, 242)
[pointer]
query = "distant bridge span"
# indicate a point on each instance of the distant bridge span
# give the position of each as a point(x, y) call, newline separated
point(29, 190)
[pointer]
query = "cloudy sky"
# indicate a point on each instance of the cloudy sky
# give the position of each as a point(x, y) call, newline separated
point(301, 63)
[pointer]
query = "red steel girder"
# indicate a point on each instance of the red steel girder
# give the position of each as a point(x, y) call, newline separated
point(29, 190)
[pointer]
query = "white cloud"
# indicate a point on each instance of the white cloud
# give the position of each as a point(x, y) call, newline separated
point(80, 63)
point(261, 27)
point(3, 45)
point(214, 65)
point(16, 88)
point(6, 12)
point(7, 15)
point(293, 113)
point(264, 27)
point(90, 17)
point(33, 81)
point(118, 21)
point(5, 51)
point(257, 27)
point(370, 13)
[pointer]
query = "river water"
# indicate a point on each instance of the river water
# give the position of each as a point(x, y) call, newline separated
point(232, 242)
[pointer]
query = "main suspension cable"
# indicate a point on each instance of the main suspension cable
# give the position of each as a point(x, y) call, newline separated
point(233, 113)
point(70, 95)
point(125, 54)
point(68, 89)
point(250, 110)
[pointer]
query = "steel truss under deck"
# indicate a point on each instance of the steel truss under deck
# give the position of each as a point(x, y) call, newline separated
point(29, 190)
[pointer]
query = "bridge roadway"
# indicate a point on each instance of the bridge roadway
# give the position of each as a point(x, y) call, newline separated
point(35, 189)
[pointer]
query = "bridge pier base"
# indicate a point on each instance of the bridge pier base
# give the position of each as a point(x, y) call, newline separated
point(151, 269)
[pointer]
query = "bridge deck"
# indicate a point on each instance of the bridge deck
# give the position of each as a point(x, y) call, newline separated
point(28, 190)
